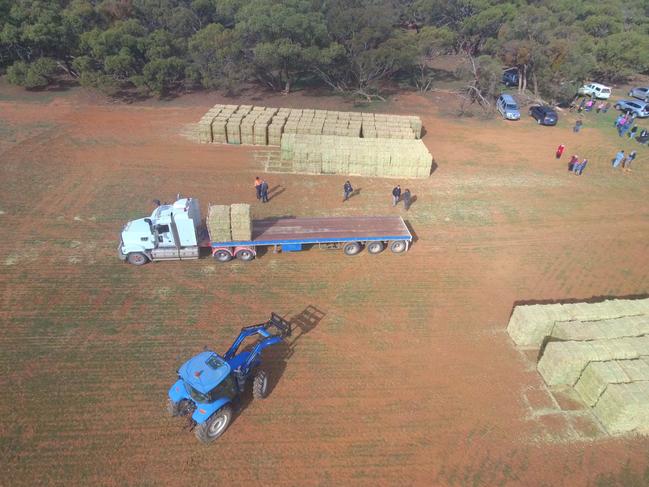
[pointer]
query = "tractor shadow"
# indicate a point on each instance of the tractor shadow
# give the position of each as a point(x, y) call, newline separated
point(275, 358)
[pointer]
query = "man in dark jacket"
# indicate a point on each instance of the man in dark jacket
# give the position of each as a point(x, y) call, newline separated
point(396, 195)
point(264, 191)
point(347, 190)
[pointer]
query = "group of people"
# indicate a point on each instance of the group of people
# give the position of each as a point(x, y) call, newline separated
point(397, 196)
point(625, 125)
point(587, 105)
point(623, 160)
point(574, 166)
point(261, 188)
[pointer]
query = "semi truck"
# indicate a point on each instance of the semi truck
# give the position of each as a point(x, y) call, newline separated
point(177, 232)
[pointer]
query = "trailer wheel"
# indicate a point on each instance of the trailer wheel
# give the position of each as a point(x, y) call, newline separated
point(137, 258)
point(222, 255)
point(245, 255)
point(375, 247)
point(215, 425)
point(352, 248)
point(260, 385)
point(398, 246)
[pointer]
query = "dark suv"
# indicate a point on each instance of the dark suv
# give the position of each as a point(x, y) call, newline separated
point(544, 115)
point(510, 77)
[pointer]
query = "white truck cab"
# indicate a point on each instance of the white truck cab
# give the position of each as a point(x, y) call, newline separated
point(170, 233)
point(596, 90)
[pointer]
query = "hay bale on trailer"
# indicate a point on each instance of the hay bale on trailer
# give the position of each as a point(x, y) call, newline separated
point(218, 223)
point(240, 222)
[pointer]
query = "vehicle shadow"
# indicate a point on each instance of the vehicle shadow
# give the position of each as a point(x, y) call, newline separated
point(275, 358)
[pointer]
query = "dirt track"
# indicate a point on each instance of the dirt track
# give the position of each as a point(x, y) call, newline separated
point(407, 375)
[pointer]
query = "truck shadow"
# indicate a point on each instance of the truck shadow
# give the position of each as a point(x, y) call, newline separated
point(275, 358)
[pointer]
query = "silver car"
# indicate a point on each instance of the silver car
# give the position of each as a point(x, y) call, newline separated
point(641, 93)
point(639, 108)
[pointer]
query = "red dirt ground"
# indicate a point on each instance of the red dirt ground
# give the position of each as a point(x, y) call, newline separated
point(408, 378)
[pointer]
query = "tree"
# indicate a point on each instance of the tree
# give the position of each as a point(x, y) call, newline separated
point(38, 74)
point(161, 76)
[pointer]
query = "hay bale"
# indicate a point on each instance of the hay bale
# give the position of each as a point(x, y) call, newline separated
point(562, 362)
point(241, 222)
point(218, 223)
point(597, 376)
point(624, 408)
point(530, 324)
point(233, 130)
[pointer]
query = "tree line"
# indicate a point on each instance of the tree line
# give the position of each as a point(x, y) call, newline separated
point(351, 46)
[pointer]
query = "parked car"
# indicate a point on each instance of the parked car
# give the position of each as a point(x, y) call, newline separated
point(508, 107)
point(544, 115)
point(510, 77)
point(639, 108)
point(641, 93)
point(595, 90)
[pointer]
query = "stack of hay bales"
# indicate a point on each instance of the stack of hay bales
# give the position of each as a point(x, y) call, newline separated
point(240, 222)
point(219, 123)
point(218, 223)
point(276, 127)
point(329, 154)
point(246, 128)
point(205, 124)
point(601, 350)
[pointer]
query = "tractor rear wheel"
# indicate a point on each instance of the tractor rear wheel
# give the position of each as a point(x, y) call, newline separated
point(215, 425)
point(137, 258)
point(260, 385)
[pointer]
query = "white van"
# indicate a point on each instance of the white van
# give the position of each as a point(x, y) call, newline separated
point(595, 90)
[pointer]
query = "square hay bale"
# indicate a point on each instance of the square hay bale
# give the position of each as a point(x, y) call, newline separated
point(218, 223)
point(241, 222)
point(530, 324)
point(596, 377)
point(233, 131)
point(624, 408)
point(562, 362)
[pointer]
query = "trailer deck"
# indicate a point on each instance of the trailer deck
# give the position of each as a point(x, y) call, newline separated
point(278, 231)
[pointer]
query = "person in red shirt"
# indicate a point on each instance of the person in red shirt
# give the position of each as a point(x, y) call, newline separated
point(258, 187)
point(573, 160)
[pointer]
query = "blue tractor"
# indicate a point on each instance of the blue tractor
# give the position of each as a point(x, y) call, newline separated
point(209, 384)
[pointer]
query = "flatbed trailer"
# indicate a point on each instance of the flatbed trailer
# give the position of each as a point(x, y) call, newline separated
point(177, 232)
point(351, 233)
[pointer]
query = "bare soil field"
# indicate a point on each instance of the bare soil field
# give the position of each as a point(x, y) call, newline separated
point(400, 371)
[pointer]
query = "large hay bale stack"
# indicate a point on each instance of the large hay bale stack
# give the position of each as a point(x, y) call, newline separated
point(241, 222)
point(246, 128)
point(260, 130)
point(233, 129)
point(218, 223)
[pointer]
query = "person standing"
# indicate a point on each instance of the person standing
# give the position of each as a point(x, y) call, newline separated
point(578, 125)
point(573, 160)
point(347, 190)
point(258, 187)
point(579, 168)
point(560, 150)
point(264, 191)
point(406, 199)
point(618, 159)
point(396, 195)
point(633, 132)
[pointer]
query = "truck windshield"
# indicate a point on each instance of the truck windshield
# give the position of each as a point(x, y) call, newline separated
point(511, 106)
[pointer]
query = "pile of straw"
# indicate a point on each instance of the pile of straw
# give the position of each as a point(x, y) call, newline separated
point(240, 222)
point(331, 154)
point(218, 223)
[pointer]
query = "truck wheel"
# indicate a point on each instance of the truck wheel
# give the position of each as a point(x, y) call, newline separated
point(352, 248)
point(222, 255)
point(215, 425)
point(375, 247)
point(398, 246)
point(137, 258)
point(245, 255)
point(260, 385)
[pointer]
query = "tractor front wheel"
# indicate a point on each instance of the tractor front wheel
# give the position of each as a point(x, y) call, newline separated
point(260, 385)
point(215, 426)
